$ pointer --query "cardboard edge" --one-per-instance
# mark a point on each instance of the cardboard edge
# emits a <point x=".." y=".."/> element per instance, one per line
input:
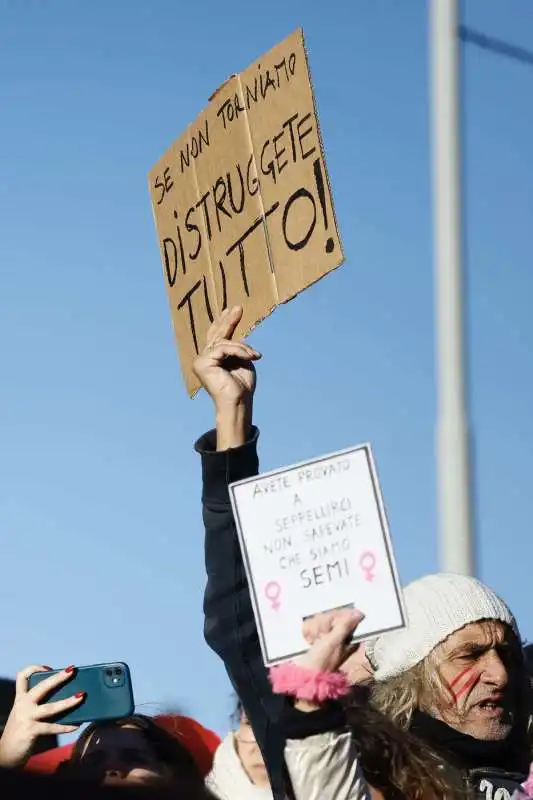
<point x="222" y="86"/>
<point x="316" y="280"/>
<point x="251" y="328"/>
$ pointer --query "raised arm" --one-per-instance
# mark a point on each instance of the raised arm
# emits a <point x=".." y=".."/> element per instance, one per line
<point x="321" y="753"/>
<point x="229" y="453"/>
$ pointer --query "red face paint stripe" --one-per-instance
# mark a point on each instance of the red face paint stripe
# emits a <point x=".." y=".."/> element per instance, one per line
<point x="458" y="677"/>
<point x="468" y="685"/>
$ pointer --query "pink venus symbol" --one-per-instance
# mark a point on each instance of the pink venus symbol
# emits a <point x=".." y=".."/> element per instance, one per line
<point x="272" y="593"/>
<point x="367" y="562"/>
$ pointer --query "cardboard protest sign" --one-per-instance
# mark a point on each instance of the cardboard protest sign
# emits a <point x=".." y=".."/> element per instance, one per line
<point x="314" y="537"/>
<point x="242" y="202"/>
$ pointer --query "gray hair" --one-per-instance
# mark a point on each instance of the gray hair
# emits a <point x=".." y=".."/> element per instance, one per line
<point x="399" y="697"/>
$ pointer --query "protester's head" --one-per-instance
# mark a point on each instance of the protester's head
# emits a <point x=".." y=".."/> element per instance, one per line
<point x="135" y="750"/>
<point x="248" y="749"/>
<point x="459" y="659"/>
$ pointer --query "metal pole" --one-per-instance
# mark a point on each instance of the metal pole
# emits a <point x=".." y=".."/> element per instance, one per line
<point x="457" y="546"/>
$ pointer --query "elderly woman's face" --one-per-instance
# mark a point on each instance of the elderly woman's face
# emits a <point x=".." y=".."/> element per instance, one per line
<point x="250" y="754"/>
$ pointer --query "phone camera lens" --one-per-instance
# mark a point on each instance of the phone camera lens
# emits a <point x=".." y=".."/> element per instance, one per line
<point x="118" y="671"/>
<point x="109" y="672"/>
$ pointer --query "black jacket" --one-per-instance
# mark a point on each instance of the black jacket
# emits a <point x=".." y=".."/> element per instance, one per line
<point x="230" y="629"/>
<point x="493" y="784"/>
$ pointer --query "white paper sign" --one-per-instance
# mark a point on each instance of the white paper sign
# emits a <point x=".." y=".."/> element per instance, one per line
<point x="314" y="537"/>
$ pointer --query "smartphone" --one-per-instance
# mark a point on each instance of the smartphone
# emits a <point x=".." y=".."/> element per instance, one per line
<point x="108" y="690"/>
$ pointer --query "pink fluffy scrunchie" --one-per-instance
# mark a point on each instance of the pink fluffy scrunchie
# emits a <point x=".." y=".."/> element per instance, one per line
<point x="308" y="684"/>
<point x="527" y="786"/>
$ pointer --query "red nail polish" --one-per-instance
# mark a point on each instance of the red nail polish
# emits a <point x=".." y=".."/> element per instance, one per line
<point x="70" y="669"/>
<point x="48" y="669"/>
<point x="79" y="695"/>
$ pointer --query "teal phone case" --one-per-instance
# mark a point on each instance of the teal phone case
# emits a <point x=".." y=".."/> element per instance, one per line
<point x="108" y="690"/>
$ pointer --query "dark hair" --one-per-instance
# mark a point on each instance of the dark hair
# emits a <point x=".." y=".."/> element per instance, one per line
<point x="238" y="711"/>
<point x="527" y="652"/>
<point x="168" y="749"/>
<point x="396" y="762"/>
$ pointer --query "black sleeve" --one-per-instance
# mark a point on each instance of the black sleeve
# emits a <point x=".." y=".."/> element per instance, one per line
<point x="301" y="724"/>
<point x="230" y="628"/>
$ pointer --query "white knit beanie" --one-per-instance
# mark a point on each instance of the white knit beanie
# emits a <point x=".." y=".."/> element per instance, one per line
<point x="436" y="607"/>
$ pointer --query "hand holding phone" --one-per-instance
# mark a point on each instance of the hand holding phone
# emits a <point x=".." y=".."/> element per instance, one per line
<point x="105" y="690"/>
<point x="59" y="701"/>
<point x="28" y="719"/>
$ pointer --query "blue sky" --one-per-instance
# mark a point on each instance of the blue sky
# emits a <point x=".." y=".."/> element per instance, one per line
<point x="100" y="522"/>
